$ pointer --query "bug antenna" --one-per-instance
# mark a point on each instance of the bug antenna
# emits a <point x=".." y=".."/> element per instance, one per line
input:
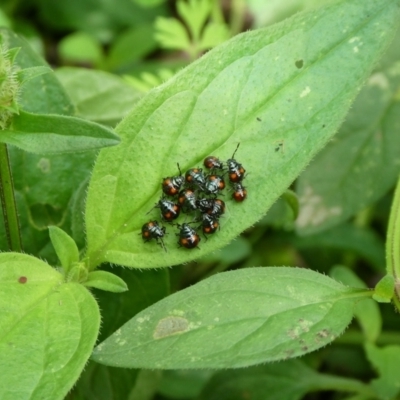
<point x="152" y="209"/>
<point x="233" y="155"/>
<point x="179" y="169"/>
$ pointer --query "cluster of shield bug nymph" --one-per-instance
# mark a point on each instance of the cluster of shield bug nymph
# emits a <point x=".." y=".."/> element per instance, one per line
<point x="196" y="194"/>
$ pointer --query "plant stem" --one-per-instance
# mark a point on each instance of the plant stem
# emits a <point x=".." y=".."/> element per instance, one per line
<point x="7" y="199"/>
<point x="331" y="382"/>
<point x="353" y="337"/>
<point x="237" y="16"/>
<point x="393" y="245"/>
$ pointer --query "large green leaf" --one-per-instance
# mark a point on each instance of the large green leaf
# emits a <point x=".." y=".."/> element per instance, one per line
<point x="291" y="84"/>
<point x="47" y="329"/>
<point x="362" y="163"/>
<point x="234" y="319"/>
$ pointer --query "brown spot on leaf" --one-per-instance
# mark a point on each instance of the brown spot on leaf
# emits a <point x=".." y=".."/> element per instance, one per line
<point x="22" y="279"/>
<point x="170" y="326"/>
<point x="324" y="333"/>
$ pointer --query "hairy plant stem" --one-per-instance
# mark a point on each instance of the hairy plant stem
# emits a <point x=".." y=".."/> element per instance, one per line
<point x="393" y="245"/>
<point x="7" y="198"/>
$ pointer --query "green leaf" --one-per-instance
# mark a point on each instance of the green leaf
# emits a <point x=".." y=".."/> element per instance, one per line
<point x="47" y="329"/>
<point x="104" y="280"/>
<point x="56" y="134"/>
<point x="386" y="361"/>
<point x="145" y="386"/>
<point x="66" y="248"/>
<point x="45" y="185"/>
<point x="43" y="94"/>
<point x="171" y="34"/>
<point x="130" y="47"/>
<point x="97" y="95"/>
<point x="213" y="35"/>
<point x="145" y="288"/>
<point x="384" y="289"/>
<point x="183" y="384"/>
<point x="366" y="311"/>
<point x="349" y="174"/>
<point x="248" y="90"/>
<point x="234" y="319"/>
<point x="362" y="241"/>
<point x="99" y="382"/>
<point x="76" y="211"/>
<point x="194" y="13"/>
<point x="103" y="19"/>
<point x="80" y="47"/>
<point x="27" y="74"/>
<point x="393" y="244"/>
<point x="289" y="380"/>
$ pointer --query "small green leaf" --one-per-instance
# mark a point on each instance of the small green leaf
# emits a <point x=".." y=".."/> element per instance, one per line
<point x="194" y="13"/>
<point x="47" y="329"/>
<point x="386" y="360"/>
<point x="107" y="281"/>
<point x="65" y="247"/>
<point x="43" y="134"/>
<point x="130" y="47"/>
<point x="80" y="47"/>
<point x="213" y="35"/>
<point x="366" y="311"/>
<point x="249" y="90"/>
<point x="384" y="289"/>
<point x="78" y="273"/>
<point x="171" y="34"/>
<point x="12" y="53"/>
<point x="234" y="319"/>
<point x="27" y="74"/>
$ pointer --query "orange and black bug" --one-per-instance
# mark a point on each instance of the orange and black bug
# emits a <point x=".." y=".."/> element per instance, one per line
<point x="215" y="207"/>
<point x="169" y="209"/>
<point x="218" y="208"/>
<point x="212" y="162"/>
<point x="235" y="170"/>
<point x="151" y="230"/>
<point x="188" y="237"/>
<point x="239" y="192"/>
<point x="195" y="177"/>
<point x="172" y="184"/>
<point x="214" y="183"/>
<point x="209" y="224"/>
<point x="187" y="200"/>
